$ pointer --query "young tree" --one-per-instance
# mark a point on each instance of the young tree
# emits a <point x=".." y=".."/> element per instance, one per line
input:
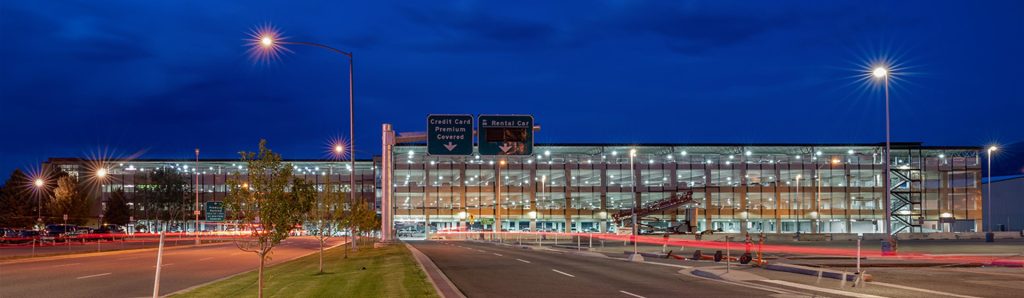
<point x="362" y="217"/>
<point x="69" y="200"/>
<point x="326" y="215"/>
<point x="268" y="204"/>
<point x="117" y="208"/>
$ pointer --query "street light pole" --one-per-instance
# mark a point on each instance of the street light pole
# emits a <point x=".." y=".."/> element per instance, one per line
<point x="636" y="257"/>
<point x="40" y="192"/>
<point x="267" y="42"/>
<point x="883" y="73"/>
<point x="195" y="209"/>
<point x="989" y="187"/>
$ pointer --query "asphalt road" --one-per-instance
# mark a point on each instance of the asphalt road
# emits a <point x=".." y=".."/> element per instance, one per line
<point x="26" y="250"/>
<point x="487" y="270"/>
<point x="130" y="273"/>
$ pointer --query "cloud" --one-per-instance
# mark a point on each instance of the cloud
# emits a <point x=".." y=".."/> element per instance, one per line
<point x="693" y="30"/>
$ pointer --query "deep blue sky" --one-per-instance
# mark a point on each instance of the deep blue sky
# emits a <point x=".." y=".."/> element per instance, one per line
<point x="78" y="78"/>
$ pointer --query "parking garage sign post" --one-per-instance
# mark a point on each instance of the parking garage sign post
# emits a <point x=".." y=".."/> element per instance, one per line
<point x="450" y="134"/>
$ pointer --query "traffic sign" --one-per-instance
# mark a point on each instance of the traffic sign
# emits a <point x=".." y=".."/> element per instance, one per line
<point x="505" y="134"/>
<point x="214" y="211"/>
<point x="450" y="134"/>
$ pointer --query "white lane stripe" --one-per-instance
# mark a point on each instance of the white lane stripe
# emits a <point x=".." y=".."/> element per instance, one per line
<point x="498" y="254"/>
<point x="62" y="265"/>
<point x="631" y="294"/>
<point x="204" y="259"/>
<point x="563" y="273"/>
<point x="94" y="275"/>
<point x="919" y="289"/>
<point x="824" y="290"/>
<point x="164" y="265"/>
<point x="524" y="261"/>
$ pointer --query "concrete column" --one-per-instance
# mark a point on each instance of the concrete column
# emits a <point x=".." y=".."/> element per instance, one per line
<point x="426" y="225"/>
<point x="707" y="197"/>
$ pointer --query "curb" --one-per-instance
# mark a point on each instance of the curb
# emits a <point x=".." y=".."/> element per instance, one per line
<point x="437" y="278"/>
<point x="850" y="276"/>
<point x="705" y="274"/>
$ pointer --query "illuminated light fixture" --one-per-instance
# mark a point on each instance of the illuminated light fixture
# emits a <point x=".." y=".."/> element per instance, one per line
<point x="748" y="153"/>
<point x="732" y="156"/>
<point x="101" y="173"/>
<point x="39" y="182"/>
<point x="817" y="153"/>
<point x="880" y="72"/>
<point x="942" y="156"/>
<point x="547" y="152"/>
<point x="632" y="152"/>
<point x="835" y="161"/>
<point x="849" y="151"/>
<point x="946" y="215"/>
<point x="615" y="153"/>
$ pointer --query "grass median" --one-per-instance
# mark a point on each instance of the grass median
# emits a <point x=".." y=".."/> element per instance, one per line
<point x="371" y="272"/>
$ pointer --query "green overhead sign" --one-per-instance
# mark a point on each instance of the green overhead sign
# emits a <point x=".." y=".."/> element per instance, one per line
<point x="505" y="134"/>
<point x="214" y="211"/>
<point x="450" y="134"/>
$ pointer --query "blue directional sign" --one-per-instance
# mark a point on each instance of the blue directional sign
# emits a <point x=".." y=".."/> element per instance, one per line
<point x="450" y="134"/>
<point x="505" y="134"/>
<point x="214" y="211"/>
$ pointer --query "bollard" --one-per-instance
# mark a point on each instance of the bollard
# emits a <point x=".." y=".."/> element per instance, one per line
<point x="718" y="256"/>
<point x="819" y="277"/>
<point x="697" y="255"/>
<point x="842" y="283"/>
<point x="590" y="238"/>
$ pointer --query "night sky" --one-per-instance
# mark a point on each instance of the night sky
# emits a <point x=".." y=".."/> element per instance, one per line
<point x="155" y="79"/>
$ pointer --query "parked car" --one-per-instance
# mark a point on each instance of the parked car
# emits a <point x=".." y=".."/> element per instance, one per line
<point x="109" y="232"/>
<point x="59" y="232"/>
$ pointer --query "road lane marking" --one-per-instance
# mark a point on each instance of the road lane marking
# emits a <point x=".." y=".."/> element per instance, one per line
<point x="62" y="265"/>
<point x="563" y="273"/>
<point x="631" y="294"/>
<point x="204" y="259"/>
<point x="919" y="289"/>
<point x="818" y="289"/>
<point x="94" y="275"/>
<point x="524" y="261"/>
<point x="164" y="265"/>
<point x="498" y="254"/>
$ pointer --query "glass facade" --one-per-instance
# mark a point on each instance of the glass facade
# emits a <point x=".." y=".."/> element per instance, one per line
<point x="736" y="188"/>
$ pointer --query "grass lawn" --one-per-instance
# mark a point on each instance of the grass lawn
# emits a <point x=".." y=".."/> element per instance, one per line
<point x="390" y="272"/>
